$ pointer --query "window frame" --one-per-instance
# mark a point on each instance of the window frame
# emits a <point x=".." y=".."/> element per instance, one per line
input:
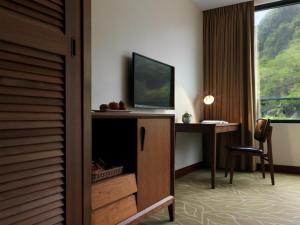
<point x="273" y="5"/>
<point x="276" y="4"/>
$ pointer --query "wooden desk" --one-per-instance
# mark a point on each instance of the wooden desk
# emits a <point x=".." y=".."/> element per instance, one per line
<point x="211" y="130"/>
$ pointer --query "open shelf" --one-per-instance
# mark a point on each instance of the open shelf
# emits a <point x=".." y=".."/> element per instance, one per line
<point x="114" y="142"/>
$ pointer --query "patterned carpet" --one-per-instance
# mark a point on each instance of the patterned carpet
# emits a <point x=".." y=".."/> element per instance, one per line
<point x="251" y="200"/>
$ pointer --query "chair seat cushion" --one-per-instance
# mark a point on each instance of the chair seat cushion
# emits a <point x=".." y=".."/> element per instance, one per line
<point x="248" y="149"/>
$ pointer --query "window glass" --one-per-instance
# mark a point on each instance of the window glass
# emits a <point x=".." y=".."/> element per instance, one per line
<point x="277" y="34"/>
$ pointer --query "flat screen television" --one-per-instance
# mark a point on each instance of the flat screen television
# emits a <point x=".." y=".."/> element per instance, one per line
<point x="153" y="83"/>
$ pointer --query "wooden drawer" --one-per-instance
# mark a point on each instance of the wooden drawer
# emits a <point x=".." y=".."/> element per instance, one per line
<point x="115" y="212"/>
<point x="111" y="190"/>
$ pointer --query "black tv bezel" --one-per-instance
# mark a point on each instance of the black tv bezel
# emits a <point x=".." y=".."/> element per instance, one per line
<point x="172" y="103"/>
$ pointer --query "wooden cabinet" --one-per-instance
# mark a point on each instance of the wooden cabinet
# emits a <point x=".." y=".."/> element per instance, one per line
<point x="116" y="212"/>
<point x="143" y="144"/>
<point x="153" y="161"/>
<point x="113" y="200"/>
<point x="113" y="189"/>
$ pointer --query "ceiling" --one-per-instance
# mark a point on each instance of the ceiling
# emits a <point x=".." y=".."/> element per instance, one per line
<point x="210" y="4"/>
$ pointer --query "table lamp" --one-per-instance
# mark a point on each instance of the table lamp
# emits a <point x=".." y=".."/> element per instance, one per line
<point x="208" y="100"/>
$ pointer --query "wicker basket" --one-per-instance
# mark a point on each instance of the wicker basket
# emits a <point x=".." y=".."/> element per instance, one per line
<point x="100" y="175"/>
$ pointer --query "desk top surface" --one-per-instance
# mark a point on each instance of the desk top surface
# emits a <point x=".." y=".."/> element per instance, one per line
<point x="205" y="128"/>
<point x="205" y="124"/>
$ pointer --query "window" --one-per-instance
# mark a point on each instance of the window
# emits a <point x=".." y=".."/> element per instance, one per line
<point x="277" y="32"/>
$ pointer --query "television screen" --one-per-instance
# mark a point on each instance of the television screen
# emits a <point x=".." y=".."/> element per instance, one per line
<point x="153" y="83"/>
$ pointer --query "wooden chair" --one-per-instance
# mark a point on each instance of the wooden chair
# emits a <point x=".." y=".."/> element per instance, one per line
<point x="263" y="132"/>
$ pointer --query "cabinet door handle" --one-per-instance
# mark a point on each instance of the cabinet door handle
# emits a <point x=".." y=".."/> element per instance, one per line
<point x="143" y="134"/>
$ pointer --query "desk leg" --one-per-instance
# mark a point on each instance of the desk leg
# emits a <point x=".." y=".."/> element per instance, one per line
<point x="212" y="148"/>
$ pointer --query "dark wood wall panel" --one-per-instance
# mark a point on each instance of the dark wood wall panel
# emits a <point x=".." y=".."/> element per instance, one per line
<point x="30" y="101"/>
<point x="31" y="156"/>
<point x="31" y="165"/>
<point x="12" y="82"/>
<point x="12" y="125"/>
<point x="41" y="119"/>
<point x="20" y="58"/>
<point x="30" y="181"/>
<point x="44" y="11"/>
<point x="29" y="133"/>
<point x="8" y="213"/>
<point x="30" y="76"/>
<point x="29" y="108"/>
<point x="31" y="189"/>
<point x="34" y="212"/>
<point x="30" y="148"/>
<point x="32" y="130"/>
<point x="18" y="49"/>
<point x="30" y="140"/>
<point x="47" y="217"/>
<point x="31" y="68"/>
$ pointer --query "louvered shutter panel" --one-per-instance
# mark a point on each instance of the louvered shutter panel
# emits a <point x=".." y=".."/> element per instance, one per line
<point x="34" y="47"/>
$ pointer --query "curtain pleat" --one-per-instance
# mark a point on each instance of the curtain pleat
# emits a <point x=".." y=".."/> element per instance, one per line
<point x="229" y="72"/>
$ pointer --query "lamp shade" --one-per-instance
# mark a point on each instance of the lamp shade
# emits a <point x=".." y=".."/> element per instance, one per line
<point x="208" y="100"/>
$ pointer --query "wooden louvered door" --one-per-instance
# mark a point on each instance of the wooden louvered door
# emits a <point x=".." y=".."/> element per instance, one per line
<point x="40" y="112"/>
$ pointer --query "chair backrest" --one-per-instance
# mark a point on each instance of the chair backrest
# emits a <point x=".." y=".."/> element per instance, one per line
<point x="261" y="129"/>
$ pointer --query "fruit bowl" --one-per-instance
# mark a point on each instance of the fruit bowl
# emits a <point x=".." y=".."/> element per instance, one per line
<point x="117" y="110"/>
<point x="114" y="107"/>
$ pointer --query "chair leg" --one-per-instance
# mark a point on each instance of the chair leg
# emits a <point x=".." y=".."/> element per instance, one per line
<point x="232" y="165"/>
<point x="262" y="163"/>
<point x="272" y="171"/>
<point x="227" y="162"/>
<point x="270" y="155"/>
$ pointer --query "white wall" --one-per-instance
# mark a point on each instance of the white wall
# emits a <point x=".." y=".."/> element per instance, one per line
<point x="166" y="30"/>
<point x="286" y="142"/>
<point x="285" y="139"/>
<point x="260" y="2"/>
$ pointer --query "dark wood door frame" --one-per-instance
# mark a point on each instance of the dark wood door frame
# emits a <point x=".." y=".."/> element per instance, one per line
<point x="81" y="14"/>
<point x="86" y="88"/>
<point x="73" y="116"/>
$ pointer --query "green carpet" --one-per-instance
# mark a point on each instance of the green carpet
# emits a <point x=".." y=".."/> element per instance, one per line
<point x="251" y="200"/>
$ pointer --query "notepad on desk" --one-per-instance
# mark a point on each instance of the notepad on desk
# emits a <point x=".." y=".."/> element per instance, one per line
<point x="222" y="122"/>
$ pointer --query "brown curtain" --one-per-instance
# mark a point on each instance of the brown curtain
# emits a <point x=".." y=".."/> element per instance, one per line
<point x="229" y="71"/>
